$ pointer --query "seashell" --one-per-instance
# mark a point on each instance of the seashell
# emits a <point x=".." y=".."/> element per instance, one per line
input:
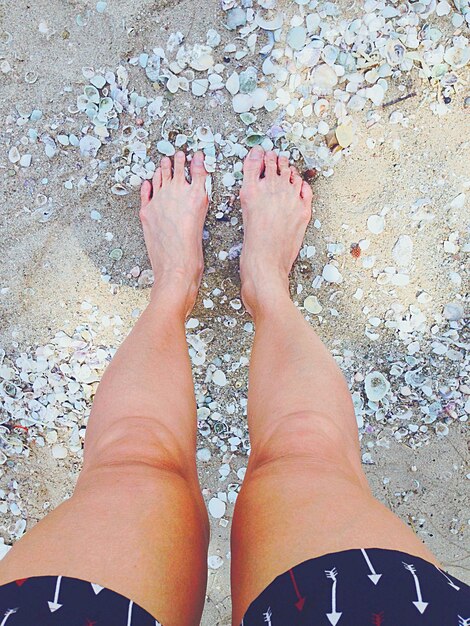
<point x="212" y="38"/>
<point x="329" y="54"/>
<point x="25" y="160"/>
<point x="228" y="179"/>
<point x="242" y="103"/>
<point x="247" y="118"/>
<point x="202" y="62"/>
<point x="376" y="224"/>
<point x="312" y="305"/>
<point x="119" y="190"/>
<point x="92" y="93"/>
<point x="180" y="140"/>
<point x="376" y="94"/>
<point x="106" y="105"/>
<point x="5" y="67"/>
<point x="320" y="107"/>
<point x="323" y="79"/>
<point x="135" y="181"/>
<point x="296" y="37"/>
<point x="116" y="254"/>
<point x="89" y="146"/>
<point x="30" y="77"/>
<point x="248" y="80"/>
<point x="255" y="139"/>
<point x="172" y="84"/>
<point x="344" y="135"/>
<point x="273" y="24"/>
<point x="36" y="115"/>
<point x="376" y="386"/>
<point x="219" y="378"/>
<point x="403" y="250"/>
<point x="98" y="80"/>
<point x="233" y="83"/>
<point x="235" y="17"/>
<point x="5" y="38"/>
<point x="165" y="147"/>
<point x="3" y="458"/>
<point x="331" y="274"/>
<point x="199" y="86"/>
<point x="457" y="57"/>
<point x="216" y="508"/>
<point x="259" y="98"/>
<point x="454" y="311"/>
<point x="14" y="155"/>
<point x="394" y="52"/>
<point x="204" y="133"/>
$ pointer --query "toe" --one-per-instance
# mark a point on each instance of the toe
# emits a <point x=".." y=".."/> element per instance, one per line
<point x="270" y="162"/>
<point x="198" y="171"/>
<point x="180" y="160"/>
<point x="253" y="165"/>
<point x="306" y="192"/>
<point x="166" y="170"/>
<point x="157" y="179"/>
<point x="295" y="178"/>
<point x="283" y="164"/>
<point x="145" y="192"/>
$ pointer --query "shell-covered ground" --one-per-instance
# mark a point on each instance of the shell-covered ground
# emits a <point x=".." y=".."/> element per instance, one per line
<point x="370" y="100"/>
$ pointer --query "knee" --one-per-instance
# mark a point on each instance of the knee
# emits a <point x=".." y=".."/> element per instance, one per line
<point x="135" y="441"/>
<point x="308" y="439"/>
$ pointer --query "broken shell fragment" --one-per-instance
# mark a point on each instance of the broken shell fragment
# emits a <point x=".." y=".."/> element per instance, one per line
<point x="376" y="386"/>
<point x="165" y="147"/>
<point x="312" y="305"/>
<point x="376" y="224"/>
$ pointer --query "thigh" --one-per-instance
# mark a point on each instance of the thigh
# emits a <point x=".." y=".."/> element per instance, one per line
<point x="137" y="530"/>
<point x="293" y="509"/>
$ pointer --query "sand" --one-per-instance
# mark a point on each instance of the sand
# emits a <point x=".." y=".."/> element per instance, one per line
<point x="49" y="269"/>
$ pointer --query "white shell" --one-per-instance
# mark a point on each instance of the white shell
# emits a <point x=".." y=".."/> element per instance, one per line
<point x="403" y="250"/>
<point x="376" y="224"/>
<point x="259" y="97"/>
<point x="297" y="37"/>
<point x="331" y="274"/>
<point x="242" y="103"/>
<point x="199" y="86"/>
<point x="25" y="160"/>
<point x="217" y="508"/>
<point x="219" y="378"/>
<point x="89" y="146"/>
<point x="14" y="155"/>
<point x="233" y="83"/>
<point x="376" y="386"/>
<point x="324" y="78"/>
<point x="312" y="305"/>
<point x="215" y="561"/>
<point x="273" y="24"/>
<point x="166" y="148"/>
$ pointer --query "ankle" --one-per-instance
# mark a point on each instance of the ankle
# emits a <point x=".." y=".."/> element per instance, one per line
<point x="262" y="295"/>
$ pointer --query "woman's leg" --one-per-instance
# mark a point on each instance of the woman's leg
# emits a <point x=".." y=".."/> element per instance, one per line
<point x="136" y="522"/>
<point x="304" y="493"/>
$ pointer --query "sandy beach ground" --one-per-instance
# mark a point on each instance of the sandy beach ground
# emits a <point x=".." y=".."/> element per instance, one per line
<point x="57" y="275"/>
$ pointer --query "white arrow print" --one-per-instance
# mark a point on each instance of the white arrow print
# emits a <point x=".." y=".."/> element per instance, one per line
<point x="373" y="575"/>
<point x="419" y="604"/>
<point x="53" y="606"/>
<point x="452" y="584"/>
<point x="129" y="614"/>
<point x="463" y="621"/>
<point x="334" y="616"/>
<point x="267" y="616"/>
<point x="96" y="588"/>
<point x="7" y="615"/>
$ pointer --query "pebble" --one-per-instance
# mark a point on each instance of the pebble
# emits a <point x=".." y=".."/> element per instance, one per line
<point x="217" y="508"/>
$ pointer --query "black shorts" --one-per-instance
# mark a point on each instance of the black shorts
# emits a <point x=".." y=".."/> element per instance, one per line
<point x="370" y="587"/>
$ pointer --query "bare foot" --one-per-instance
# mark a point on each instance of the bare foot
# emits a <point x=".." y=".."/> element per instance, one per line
<point x="172" y="214"/>
<point x="276" y="211"/>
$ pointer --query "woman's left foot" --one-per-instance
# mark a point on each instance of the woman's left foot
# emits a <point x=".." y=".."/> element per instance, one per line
<point x="172" y="214"/>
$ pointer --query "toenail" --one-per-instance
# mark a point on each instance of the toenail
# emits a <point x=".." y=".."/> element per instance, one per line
<point x="256" y="152"/>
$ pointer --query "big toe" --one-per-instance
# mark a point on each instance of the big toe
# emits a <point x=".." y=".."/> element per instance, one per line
<point x="254" y="164"/>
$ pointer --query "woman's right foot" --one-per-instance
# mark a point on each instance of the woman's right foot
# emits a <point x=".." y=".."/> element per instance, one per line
<point x="276" y="211"/>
